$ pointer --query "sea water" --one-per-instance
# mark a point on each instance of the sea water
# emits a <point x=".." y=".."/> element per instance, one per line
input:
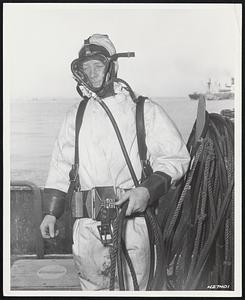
<point x="34" y="125"/>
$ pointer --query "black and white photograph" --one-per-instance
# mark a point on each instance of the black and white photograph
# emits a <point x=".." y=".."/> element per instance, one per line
<point x="122" y="149"/>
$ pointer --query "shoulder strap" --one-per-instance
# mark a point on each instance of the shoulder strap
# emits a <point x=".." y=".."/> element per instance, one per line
<point x="140" y="127"/>
<point x="73" y="174"/>
<point x="140" y="132"/>
<point x="79" y="120"/>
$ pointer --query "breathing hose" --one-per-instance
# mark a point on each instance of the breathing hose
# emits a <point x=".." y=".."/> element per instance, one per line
<point x="155" y="281"/>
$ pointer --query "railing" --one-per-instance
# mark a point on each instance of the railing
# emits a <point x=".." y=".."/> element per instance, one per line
<point x="37" y="263"/>
<point x="37" y="205"/>
<point x="26" y="217"/>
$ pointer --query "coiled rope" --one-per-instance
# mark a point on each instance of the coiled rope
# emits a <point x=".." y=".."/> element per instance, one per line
<point x="198" y="233"/>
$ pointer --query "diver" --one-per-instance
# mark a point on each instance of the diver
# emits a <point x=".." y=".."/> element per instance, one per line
<point x="105" y="182"/>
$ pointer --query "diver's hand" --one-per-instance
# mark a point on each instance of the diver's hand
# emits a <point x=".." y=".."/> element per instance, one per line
<point x="138" y="200"/>
<point x="47" y="227"/>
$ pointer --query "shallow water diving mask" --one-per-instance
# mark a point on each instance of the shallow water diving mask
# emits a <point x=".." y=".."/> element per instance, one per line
<point x="96" y="76"/>
<point x="92" y="71"/>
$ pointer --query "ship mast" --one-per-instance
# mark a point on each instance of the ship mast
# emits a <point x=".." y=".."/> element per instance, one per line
<point x="209" y="84"/>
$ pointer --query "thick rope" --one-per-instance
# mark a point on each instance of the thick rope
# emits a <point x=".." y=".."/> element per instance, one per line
<point x="202" y="215"/>
<point x="207" y="225"/>
<point x="186" y="188"/>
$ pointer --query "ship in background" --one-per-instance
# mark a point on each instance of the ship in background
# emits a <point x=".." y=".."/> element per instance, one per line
<point x="216" y="92"/>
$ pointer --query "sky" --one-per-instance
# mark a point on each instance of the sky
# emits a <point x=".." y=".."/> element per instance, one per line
<point x="178" y="47"/>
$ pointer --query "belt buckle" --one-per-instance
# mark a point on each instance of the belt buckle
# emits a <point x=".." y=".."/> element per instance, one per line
<point x="108" y="211"/>
<point x="103" y="200"/>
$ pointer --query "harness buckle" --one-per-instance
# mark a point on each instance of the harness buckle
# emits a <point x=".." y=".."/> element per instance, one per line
<point x="146" y="169"/>
<point x="74" y="178"/>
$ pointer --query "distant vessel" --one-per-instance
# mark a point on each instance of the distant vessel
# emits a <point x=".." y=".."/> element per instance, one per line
<point x="216" y="92"/>
<point x="195" y="96"/>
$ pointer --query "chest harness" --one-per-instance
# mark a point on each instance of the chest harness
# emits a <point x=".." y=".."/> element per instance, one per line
<point x="109" y="210"/>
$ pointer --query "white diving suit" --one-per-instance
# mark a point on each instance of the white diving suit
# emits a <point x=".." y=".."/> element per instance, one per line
<point x="101" y="164"/>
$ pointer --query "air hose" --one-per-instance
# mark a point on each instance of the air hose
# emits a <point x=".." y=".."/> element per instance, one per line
<point x="156" y="273"/>
<point x="155" y="280"/>
<point x="198" y="232"/>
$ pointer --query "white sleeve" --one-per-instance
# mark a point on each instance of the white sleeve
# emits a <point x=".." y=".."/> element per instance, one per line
<point x="63" y="154"/>
<point x="166" y="148"/>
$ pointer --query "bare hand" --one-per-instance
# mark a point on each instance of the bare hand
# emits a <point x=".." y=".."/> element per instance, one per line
<point x="47" y="227"/>
<point x="138" y="200"/>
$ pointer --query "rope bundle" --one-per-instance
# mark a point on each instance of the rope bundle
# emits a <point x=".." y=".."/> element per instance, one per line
<point x="198" y="232"/>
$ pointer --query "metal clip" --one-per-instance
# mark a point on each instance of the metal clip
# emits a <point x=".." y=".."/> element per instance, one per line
<point x="146" y="168"/>
<point x="74" y="172"/>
